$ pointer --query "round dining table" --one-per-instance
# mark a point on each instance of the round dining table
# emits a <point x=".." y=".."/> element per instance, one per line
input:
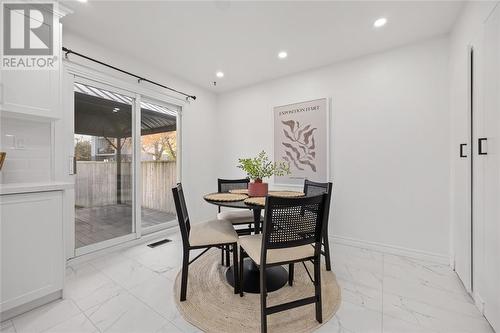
<point x="276" y="277"/>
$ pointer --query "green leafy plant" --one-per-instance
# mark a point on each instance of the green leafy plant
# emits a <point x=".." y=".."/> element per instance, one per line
<point x="260" y="167"/>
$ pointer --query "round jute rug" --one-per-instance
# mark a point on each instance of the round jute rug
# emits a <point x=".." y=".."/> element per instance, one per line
<point x="212" y="306"/>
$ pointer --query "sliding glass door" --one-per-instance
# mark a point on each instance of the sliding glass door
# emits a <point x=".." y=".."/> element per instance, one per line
<point x="104" y="154"/>
<point x="126" y="160"/>
<point x="159" y="157"/>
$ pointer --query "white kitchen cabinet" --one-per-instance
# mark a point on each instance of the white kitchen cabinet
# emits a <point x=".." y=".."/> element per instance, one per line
<point x="34" y="93"/>
<point x="32" y="250"/>
<point x="30" y="92"/>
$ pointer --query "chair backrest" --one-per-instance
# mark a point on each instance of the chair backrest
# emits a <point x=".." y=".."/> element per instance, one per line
<point x="182" y="213"/>
<point x="290" y="222"/>
<point x="314" y="188"/>
<point x="225" y="185"/>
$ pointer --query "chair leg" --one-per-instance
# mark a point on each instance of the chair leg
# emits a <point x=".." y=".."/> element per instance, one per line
<point x="184" y="276"/>
<point x="228" y="262"/>
<point x="326" y="245"/>
<point x="242" y="257"/>
<point x="235" y="268"/>
<point x="317" y="288"/>
<point x="290" y="274"/>
<point x="263" y="296"/>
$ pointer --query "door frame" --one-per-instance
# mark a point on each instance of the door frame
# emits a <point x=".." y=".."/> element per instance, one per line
<point x="80" y="73"/>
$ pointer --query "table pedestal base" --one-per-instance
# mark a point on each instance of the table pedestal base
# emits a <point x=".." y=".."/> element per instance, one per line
<point x="276" y="277"/>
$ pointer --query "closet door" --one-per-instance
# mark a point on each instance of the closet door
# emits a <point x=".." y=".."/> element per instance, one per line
<point x="489" y="150"/>
<point x="463" y="118"/>
<point x="463" y="152"/>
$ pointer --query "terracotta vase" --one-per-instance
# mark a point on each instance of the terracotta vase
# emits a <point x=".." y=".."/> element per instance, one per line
<point x="257" y="188"/>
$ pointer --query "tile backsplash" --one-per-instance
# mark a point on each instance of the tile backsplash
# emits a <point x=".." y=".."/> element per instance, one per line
<point x="28" y="147"/>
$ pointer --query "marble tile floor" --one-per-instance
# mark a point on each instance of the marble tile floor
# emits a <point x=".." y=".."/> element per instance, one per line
<point x="131" y="291"/>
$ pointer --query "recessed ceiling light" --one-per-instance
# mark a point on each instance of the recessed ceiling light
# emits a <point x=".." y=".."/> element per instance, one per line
<point x="219" y="74"/>
<point x="115" y="110"/>
<point x="282" y="55"/>
<point x="380" y="22"/>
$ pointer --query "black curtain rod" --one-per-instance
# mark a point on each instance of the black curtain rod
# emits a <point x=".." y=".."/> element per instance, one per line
<point x="140" y="78"/>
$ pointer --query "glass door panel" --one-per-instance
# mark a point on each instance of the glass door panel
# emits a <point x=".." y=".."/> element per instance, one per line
<point x="158" y="165"/>
<point x="103" y="165"/>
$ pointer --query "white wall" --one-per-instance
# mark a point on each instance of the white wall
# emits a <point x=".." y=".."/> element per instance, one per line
<point x="198" y="122"/>
<point x="390" y="141"/>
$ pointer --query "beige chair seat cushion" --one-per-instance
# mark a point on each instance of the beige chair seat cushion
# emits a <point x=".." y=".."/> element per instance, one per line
<point x="237" y="216"/>
<point x="212" y="232"/>
<point x="252" y="246"/>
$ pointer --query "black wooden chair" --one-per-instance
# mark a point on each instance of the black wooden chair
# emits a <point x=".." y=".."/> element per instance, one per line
<point x="204" y="235"/>
<point x="312" y="189"/>
<point x="236" y="217"/>
<point x="291" y="226"/>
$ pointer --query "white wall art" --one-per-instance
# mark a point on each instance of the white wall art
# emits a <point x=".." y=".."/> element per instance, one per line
<point x="301" y="138"/>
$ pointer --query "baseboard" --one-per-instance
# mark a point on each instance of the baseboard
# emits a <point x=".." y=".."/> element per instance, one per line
<point x="144" y="239"/>
<point x="391" y="249"/>
<point x="18" y="310"/>
<point x="479" y="302"/>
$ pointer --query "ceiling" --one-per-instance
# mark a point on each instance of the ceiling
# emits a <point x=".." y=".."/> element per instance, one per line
<point x="194" y="40"/>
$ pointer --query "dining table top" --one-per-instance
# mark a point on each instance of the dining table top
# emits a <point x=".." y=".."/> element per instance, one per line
<point x="234" y="204"/>
<point x="242" y="204"/>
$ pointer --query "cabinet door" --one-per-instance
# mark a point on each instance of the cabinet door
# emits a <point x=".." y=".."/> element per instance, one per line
<point x="491" y="291"/>
<point x="31" y="234"/>
<point x="31" y="92"/>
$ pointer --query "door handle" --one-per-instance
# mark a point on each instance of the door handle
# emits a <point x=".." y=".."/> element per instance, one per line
<point x="462" y="154"/>
<point x="480" y="150"/>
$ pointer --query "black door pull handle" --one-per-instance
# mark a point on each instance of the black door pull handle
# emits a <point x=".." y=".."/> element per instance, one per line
<point x="481" y="151"/>
<point x="462" y="154"/>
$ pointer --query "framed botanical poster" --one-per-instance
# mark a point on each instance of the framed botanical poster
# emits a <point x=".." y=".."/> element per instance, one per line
<point x="301" y="138"/>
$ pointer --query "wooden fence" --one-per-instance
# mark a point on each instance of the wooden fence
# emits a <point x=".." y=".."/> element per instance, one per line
<point x="96" y="184"/>
<point x="158" y="178"/>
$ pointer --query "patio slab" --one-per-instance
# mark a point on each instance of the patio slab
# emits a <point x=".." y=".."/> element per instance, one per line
<point x="97" y="224"/>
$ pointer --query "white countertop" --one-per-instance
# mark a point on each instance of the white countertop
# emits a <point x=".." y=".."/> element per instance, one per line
<point x="16" y="188"/>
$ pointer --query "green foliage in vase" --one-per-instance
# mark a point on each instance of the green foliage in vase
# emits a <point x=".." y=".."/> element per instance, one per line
<point x="260" y="167"/>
